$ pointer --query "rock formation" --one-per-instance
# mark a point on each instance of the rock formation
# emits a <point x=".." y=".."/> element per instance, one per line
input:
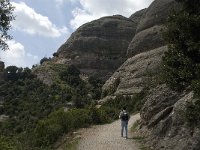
<point x="162" y="115"/>
<point x="148" y="43"/>
<point x="135" y="72"/>
<point x="148" y="35"/>
<point x="99" y="47"/>
<point x="102" y="46"/>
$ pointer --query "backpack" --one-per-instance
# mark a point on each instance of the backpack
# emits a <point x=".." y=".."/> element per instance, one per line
<point x="124" y="116"/>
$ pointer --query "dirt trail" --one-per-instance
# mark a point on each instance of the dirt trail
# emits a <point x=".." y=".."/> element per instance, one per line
<point x="107" y="137"/>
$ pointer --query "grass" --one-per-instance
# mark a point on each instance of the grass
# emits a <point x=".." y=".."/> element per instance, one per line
<point x="135" y="126"/>
<point x="138" y="137"/>
<point x="71" y="145"/>
<point x="68" y="142"/>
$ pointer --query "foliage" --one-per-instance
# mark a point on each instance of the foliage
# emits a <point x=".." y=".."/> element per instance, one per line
<point x="95" y="87"/>
<point x="5" y="143"/>
<point x="26" y="99"/>
<point x="59" y="122"/>
<point x="44" y="59"/>
<point x="133" y="103"/>
<point x="193" y="113"/>
<point x="182" y="33"/>
<point x="29" y="104"/>
<point x="181" y="64"/>
<point x="6" y="17"/>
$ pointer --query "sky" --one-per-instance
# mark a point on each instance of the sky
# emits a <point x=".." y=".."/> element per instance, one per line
<point x="42" y="26"/>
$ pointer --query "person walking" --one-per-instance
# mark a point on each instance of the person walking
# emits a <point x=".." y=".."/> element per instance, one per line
<point x="124" y="116"/>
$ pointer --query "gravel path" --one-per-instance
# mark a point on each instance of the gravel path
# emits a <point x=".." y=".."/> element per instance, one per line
<point x="107" y="137"/>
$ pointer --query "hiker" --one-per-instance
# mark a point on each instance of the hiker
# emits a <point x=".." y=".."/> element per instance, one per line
<point x="124" y="116"/>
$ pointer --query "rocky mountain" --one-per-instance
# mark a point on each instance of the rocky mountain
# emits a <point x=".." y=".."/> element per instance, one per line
<point x="162" y="116"/>
<point x="98" y="47"/>
<point x="150" y="46"/>
<point x="132" y="48"/>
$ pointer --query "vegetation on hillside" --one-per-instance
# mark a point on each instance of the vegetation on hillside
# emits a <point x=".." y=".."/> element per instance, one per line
<point x="181" y="64"/>
<point x="29" y="102"/>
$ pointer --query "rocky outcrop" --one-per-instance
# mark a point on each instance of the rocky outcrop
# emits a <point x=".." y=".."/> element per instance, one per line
<point x="137" y="16"/>
<point x="99" y="47"/>
<point x="157" y="13"/>
<point x="148" y="35"/>
<point x="146" y="40"/>
<point x="134" y="74"/>
<point x="144" y="51"/>
<point x="164" y="115"/>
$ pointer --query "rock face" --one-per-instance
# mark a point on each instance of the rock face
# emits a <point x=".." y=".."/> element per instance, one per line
<point x="163" y="114"/>
<point x="156" y="14"/>
<point x="169" y="130"/>
<point x="148" y="35"/>
<point x="149" y="46"/>
<point x="135" y="72"/>
<point x="99" y="47"/>
<point x="137" y="16"/>
<point x="146" y="40"/>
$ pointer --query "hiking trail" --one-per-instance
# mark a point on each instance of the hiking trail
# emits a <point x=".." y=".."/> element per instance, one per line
<point x="107" y="137"/>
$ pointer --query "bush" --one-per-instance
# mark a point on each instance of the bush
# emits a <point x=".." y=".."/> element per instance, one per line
<point x="133" y="103"/>
<point x="5" y="144"/>
<point x="59" y="122"/>
<point x="193" y="113"/>
<point x="44" y="59"/>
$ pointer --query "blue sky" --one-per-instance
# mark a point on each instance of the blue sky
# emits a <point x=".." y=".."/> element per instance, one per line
<point x="42" y="26"/>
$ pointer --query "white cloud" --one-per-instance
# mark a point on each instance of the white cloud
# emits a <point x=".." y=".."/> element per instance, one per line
<point x="93" y="9"/>
<point x="32" y="56"/>
<point x="17" y="55"/>
<point x="31" y="22"/>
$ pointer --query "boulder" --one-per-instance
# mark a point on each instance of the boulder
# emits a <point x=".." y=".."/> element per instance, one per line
<point x="158" y="99"/>
<point x="146" y="40"/>
<point x="170" y="131"/>
<point x="157" y="13"/>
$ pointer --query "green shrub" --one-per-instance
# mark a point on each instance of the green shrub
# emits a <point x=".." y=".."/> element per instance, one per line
<point x="133" y="103"/>
<point x="193" y="113"/>
<point x="80" y="118"/>
<point x="181" y="63"/>
<point x="59" y="122"/>
<point x="98" y="116"/>
<point x="5" y="144"/>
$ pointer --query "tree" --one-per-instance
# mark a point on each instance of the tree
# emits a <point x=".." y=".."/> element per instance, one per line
<point x="181" y="64"/>
<point x="6" y="17"/>
<point x="44" y="60"/>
